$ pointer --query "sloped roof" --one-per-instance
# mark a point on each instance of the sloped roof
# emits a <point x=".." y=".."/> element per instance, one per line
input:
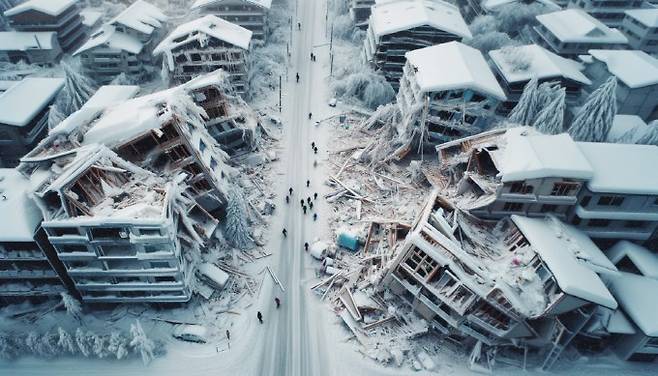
<point x="109" y="37"/>
<point x="632" y="67"/>
<point x="571" y="256"/>
<point x="202" y="3"/>
<point x="22" y="216"/>
<point x="209" y="25"/>
<point x="543" y="64"/>
<point x="627" y="123"/>
<point x="50" y="7"/>
<point x="493" y="5"/>
<point x="648" y="17"/>
<point x="23" y="101"/>
<point x="453" y="65"/>
<point x="141" y="16"/>
<point x="635" y="294"/>
<point x="577" y="26"/>
<point x="27" y="40"/>
<point x="645" y="260"/>
<point x="389" y="18"/>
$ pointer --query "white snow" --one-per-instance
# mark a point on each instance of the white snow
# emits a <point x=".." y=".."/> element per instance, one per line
<point x="140" y="16"/>
<point x="645" y="260"/>
<point x="50" y="7"/>
<point x="109" y="37"/>
<point x="622" y="168"/>
<point x="90" y="17"/>
<point x="623" y="126"/>
<point x="209" y="25"/>
<point x="451" y="66"/>
<point x="543" y="64"/>
<point x="635" y="297"/>
<point x="389" y="18"/>
<point x="202" y="3"/>
<point x="493" y="5"/>
<point x="571" y="256"/>
<point x="215" y="274"/>
<point x="648" y="16"/>
<point x="577" y="26"/>
<point x="26" y="40"/>
<point x="20" y="215"/>
<point x="23" y="101"/>
<point x="632" y="67"/>
<point x="108" y="95"/>
<point x="538" y="156"/>
<point x="619" y="323"/>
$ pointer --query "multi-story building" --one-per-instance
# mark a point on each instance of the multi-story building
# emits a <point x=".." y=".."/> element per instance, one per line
<point x="573" y="32"/>
<point x="122" y="233"/>
<point x="25" y="264"/>
<point x="398" y="27"/>
<point x="515" y="66"/>
<point x="360" y="12"/>
<point x="637" y="79"/>
<point x="206" y="45"/>
<point x="60" y="16"/>
<point x="24" y="111"/>
<point x="641" y="28"/>
<point x="476" y="8"/>
<point x="530" y="282"/>
<point x="124" y="45"/>
<point x="449" y="91"/>
<point x="5" y="5"/>
<point x="589" y="185"/>
<point x="610" y="12"/>
<point x="250" y="14"/>
<point x="41" y="48"/>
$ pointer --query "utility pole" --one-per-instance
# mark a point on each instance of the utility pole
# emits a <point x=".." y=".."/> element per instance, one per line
<point x="331" y="51"/>
<point x="279" y="94"/>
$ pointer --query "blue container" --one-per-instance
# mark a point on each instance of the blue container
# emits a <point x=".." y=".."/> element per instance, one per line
<point x="349" y="241"/>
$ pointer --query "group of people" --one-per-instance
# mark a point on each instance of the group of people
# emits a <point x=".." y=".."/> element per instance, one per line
<point x="259" y="315"/>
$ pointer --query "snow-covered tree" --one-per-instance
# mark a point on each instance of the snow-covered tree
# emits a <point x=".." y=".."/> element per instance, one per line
<point x="483" y="25"/>
<point x="525" y="110"/>
<point x="236" y="226"/>
<point x="9" y="349"/>
<point x="364" y="85"/>
<point x="118" y="345"/>
<point x="141" y="343"/>
<point x="490" y="41"/>
<point x="72" y="305"/>
<point x="651" y="136"/>
<point x="100" y="347"/>
<point x="550" y="119"/>
<point x="122" y="79"/>
<point x="77" y="90"/>
<point x="65" y="342"/>
<point x="513" y="18"/>
<point x="594" y="119"/>
<point x="84" y="341"/>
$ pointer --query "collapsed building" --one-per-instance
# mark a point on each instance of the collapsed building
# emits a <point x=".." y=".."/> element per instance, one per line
<point x="447" y="91"/>
<point x="517" y="284"/>
<point x="206" y="45"/>
<point x="250" y="14"/>
<point x="398" y="27"/>
<point x="360" y="12"/>
<point x="30" y="47"/>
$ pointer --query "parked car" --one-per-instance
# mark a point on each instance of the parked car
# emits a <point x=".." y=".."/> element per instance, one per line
<point x="333" y="102"/>
<point x="191" y="333"/>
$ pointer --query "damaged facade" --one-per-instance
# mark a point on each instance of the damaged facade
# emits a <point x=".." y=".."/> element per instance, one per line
<point x="206" y="45"/>
<point x="250" y="14"/>
<point x="448" y="91"/>
<point x="30" y="47"/>
<point x="360" y="12"/>
<point x="396" y="28"/>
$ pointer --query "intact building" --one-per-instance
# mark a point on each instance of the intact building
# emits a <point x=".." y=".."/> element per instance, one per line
<point x="41" y="48"/>
<point x="610" y="12"/>
<point x="60" y="16"/>
<point x="641" y="28"/>
<point x="250" y="14"/>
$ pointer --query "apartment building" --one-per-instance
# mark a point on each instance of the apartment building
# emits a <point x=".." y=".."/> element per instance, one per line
<point x="515" y="66"/>
<point x="573" y="32"/>
<point x="250" y="14"/>
<point x="511" y="284"/>
<point x="641" y="28"/>
<point x="124" y="45"/>
<point x="637" y="79"/>
<point x="448" y="90"/>
<point x="41" y="48"/>
<point x="24" y="111"/>
<point x="25" y="266"/>
<point x="396" y="28"/>
<point x="206" y="45"/>
<point x="60" y="16"/>
<point x="589" y="185"/>
<point x="610" y="12"/>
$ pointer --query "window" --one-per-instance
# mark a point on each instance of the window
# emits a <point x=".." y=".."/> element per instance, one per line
<point x="576" y="221"/>
<point x="635" y="224"/>
<point x="150" y="231"/>
<point x="202" y="146"/>
<point x="513" y="206"/>
<point x="598" y="223"/>
<point x="564" y="189"/>
<point x="546" y="208"/>
<point x="585" y="201"/>
<point x="421" y="263"/>
<point x="165" y="279"/>
<point x="520" y="187"/>
<point x="159" y="264"/>
<point x="610" y="201"/>
<point x="655" y="201"/>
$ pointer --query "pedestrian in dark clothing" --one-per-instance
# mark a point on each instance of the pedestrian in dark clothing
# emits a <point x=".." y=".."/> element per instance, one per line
<point x="290" y="191"/>
<point x="315" y="216"/>
<point x="287" y="200"/>
<point x="308" y="183"/>
<point x="306" y="246"/>
<point x="308" y="200"/>
<point x="228" y="335"/>
<point x="313" y="145"/>
<point x="304" y="209"/>
<point x="310" y="115"/>
<point x="260" y="317"/>
<point x="278" y="302"/>
<point x="285" y="232"/>
<point x="302" y="202"/>
<point x="315" y="195"/>
<point x="315" y="150"/>
<point x="310" y="205"/>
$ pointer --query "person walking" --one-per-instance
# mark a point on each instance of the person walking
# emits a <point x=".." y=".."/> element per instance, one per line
<point x="260" y="317"/>
<point x="297" y="77"/>
<point x="310" y="115"/>
<point x="306" y="246"/>
<point x="308" y="183"/>
<point x="315" y="195"/>
<point x="315" y="216"/>
<point x="304" y="209"/>
<point x="310" y="205"/>
<point x="285" y="232"/>
<point x="277" y="302"/>
<point x="287" y="199"/>
<point x="290" y="191"/>
<point x="228" y="335"/>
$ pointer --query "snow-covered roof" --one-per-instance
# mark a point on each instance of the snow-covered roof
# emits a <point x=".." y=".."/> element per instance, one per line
<point x="571" y="256"/>
<point x="632" y="67"/>
<point x="140" y="16"/>
<point x="532" y="156"/>
<point x="451" y="66"/>
<point x="648" y="16"/>
<point x="493" y="5"/>
<point x="214" y="273"/>
<point x="109" y="37"/>
<point x="624" y="126"/>
<point x="389" y="18"/>
<point x="635" y="296"/>
<point x="202" y="3"/>
<point x="21" y="214"/>
<point x="577" y="26"/>
<point x="50" y="7"/>
<point x="543" y="64"/>
<point x="90" y="17"/>
<point x="643" y="259"/>
<point x="27" y="40"/>
<point x="621" y="168"/>
<point x="23" y="101"/>
<point x="209" y="25"/>
<point x="108" y="95"/>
